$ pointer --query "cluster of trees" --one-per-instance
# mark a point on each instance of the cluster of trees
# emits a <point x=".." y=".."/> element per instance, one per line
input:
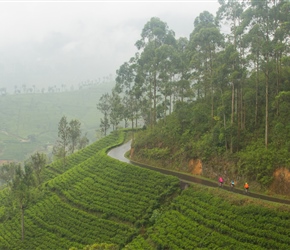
<point x="232" y="87"/>
<point x="223" y="93"/>
<point x="21" y="180"/>
<point x="25" y="88"/>
<point x="69" y="138"/>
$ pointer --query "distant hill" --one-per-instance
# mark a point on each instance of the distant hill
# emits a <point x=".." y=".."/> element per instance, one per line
<point x="29" y="122"/>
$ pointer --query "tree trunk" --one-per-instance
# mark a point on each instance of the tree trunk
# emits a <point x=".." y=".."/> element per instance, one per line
<point x="267" y="109"/>
<point x="154" y="99"/>
<point x="232" y="116"/>
<point x="257" y="91"/>
<point x="22" y="221"/>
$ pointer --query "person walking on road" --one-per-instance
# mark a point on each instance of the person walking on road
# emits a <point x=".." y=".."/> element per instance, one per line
<point x="232" y="184"/>
<point x="246" y="187"/>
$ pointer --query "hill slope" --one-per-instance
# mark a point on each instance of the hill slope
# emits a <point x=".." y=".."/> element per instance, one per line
<point x="96" y="200"/>
<point x="101" y="200"/>
<point x="29" y="122"/>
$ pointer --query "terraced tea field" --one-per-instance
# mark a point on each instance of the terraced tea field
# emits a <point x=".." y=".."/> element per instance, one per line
<point x="97" y="199"/>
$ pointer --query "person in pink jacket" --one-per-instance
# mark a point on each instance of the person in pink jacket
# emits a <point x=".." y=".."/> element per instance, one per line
<point x="221" y="181"/>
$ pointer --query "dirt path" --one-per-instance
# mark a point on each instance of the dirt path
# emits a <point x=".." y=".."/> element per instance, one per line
<point x="119" y="152"/>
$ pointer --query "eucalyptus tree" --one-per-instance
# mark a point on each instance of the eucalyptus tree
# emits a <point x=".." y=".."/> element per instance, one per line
<point x="116" y="113"/>
<point x="181" y="79"/>
<point x="61" y="148"/>
<point x="253" y="40"/>
<point x="21" y="187"/>
<point x="262" y="20"/>
<point x="7" y="172"/>
<point x="230" y="12"/>
<point x="74" y="134"/>
<point x="167" y="56"/>
<point x="105" y="108"/>
<point x="280" y="13"/>
<point x="38" y="161"/>
<point x="124" y="81"/>
<point x="205" y="41"/>
<point x="83" y="141"/>
<point x="154" y="34"/>
<point x="126" y="84"/>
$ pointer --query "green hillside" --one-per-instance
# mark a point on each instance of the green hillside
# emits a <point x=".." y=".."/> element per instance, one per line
<point x="96" y="199"/>
<point x="29" y="121"/>
<point x="204" y="218"/>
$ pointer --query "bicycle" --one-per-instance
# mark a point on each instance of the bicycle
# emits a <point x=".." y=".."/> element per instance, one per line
<point x="246" y="187"/>
<point x="221" y="182"/>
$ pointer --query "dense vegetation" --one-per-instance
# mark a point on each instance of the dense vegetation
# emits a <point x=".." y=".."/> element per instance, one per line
<point x="204" y="218"/>
<point x="221" y="96"/>
<point x="96" y="199"/>
<point x="96" y="202"/>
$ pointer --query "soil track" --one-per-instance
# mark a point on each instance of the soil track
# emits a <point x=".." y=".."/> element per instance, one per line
<point x="119" y="152"/>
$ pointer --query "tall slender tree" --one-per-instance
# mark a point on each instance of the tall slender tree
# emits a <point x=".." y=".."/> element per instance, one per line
<point x="38" y="162"/>
<point x="74" y="134"/>
<point x="154" y="34"/>
<point x="21" y="186"/>
<point x="105" y="107"/>
<point x="61" y="149"/>
<point x="205" y="41"/>
<point x="231" y="12"/>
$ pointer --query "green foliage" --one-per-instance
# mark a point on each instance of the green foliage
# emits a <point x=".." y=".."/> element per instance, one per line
<point x="37" y="162"/>
<point x="139" y="243"/>
<point x="202" y="219"/>
<point x="155" y="153"/>
<point x="69" y="138"/>
<point x="215" y="94"/>
<point x="92" y="199"/>
<point x="258" y="163"/>
<point x="155" y="216"/>
<point x="104" y="106"/>
<point x="102" y="246"/>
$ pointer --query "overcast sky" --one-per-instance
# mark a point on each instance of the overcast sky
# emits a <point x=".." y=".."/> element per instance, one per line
<point x="47" y="43"/>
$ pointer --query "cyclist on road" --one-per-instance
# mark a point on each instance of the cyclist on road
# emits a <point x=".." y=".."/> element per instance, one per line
<point x="221" y="181"/>
<point x="246" y="186"/>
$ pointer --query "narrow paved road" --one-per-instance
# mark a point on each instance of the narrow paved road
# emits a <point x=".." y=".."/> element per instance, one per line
<point x="119" y="152"/>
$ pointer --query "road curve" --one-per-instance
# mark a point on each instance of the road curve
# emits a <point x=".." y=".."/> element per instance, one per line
<point x="119" y="152"/>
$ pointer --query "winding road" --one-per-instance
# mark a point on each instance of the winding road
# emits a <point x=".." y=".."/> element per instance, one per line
<point x="119" y="152"/>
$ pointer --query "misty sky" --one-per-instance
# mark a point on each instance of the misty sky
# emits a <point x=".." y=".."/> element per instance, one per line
<point x="47" y="43"/>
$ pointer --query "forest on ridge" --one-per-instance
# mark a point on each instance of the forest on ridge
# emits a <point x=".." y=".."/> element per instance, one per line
<point x="222" y="98"/>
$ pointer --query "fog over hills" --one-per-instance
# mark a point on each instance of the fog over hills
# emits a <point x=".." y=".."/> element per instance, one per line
<point x="47" y="43"/>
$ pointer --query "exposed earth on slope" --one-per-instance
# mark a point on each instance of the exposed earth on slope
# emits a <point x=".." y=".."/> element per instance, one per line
<point x="281" y="183"/>
<point x="185" y="179"/>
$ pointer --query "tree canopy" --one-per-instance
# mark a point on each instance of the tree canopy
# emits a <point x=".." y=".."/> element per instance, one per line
<point x="227" y="91"/>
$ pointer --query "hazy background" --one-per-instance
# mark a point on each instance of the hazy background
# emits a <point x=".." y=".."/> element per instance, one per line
<point x="47" y="43"/>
